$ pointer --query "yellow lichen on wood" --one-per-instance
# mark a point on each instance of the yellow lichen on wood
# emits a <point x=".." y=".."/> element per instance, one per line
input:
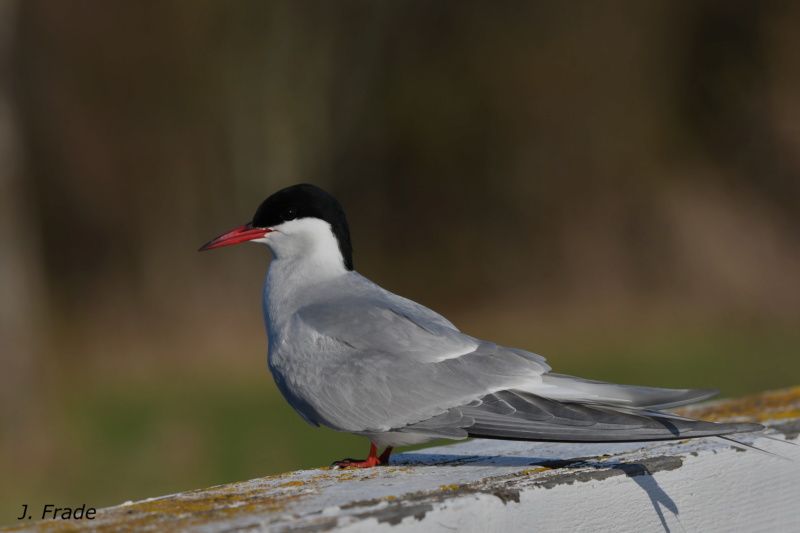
<point x="776" y="405"/>
<point x="535" y="470"/>
<point x="292" y="484"/>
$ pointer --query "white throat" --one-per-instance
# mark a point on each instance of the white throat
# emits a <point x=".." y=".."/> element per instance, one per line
<point x="309" y="246"/>
<point x="305" y="256"/>
<point x="305" y="252"/>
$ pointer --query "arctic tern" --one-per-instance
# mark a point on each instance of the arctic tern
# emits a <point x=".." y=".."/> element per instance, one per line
<point x="354" y="357"/>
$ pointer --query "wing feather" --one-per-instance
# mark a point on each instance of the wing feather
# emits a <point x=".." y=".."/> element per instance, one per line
<point x="568" y="422"/>
<point x="377" y="366"/>
<point x="376" y="363"/>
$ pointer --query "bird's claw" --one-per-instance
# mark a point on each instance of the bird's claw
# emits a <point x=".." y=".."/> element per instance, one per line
<point x="344" y="462"/>
<point x="356" y="463"/>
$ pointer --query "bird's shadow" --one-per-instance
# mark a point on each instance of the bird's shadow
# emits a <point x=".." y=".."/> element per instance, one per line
<point x="639" y="473"/>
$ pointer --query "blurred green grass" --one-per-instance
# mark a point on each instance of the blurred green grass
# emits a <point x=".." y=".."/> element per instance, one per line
<point x="181" y="430"/>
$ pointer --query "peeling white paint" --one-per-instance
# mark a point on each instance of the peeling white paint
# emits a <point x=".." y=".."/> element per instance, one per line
<point x="478" y="486"/>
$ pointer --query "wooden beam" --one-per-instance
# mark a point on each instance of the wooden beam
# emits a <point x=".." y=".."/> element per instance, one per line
<point x="699" y="485"/>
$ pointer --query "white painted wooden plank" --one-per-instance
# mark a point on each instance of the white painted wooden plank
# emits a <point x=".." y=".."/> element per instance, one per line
<point x="698" y="485"/>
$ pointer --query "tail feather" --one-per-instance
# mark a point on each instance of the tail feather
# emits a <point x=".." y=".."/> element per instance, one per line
<point x="577" y="422"/>
<point x="517" y="415"/>
<point x="570" y="388"/>
<point x="756" y="448"/>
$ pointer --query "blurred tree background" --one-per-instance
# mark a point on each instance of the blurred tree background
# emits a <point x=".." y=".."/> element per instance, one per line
<point x="614" y="185"/>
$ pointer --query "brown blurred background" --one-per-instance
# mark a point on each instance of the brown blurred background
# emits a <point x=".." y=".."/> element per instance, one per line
<point x="614" y="185"/>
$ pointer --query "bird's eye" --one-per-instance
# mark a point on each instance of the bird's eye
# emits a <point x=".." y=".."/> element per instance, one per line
<point x="290" y="213"/>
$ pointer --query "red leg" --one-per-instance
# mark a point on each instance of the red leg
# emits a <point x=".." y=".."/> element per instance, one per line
<point x="384" y="458"/>
<point x="369" y="462"/>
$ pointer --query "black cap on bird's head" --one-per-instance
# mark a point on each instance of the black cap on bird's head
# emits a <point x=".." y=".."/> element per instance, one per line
<point x="293" y="203"/>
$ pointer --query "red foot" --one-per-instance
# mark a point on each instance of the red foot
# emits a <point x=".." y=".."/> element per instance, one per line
<point x="369" y="462"/>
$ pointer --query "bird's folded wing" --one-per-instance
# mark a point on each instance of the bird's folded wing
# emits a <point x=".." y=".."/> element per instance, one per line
<point x="571" y="388"/>
<point x="378" y="366"/>
<point x="521" y="416"/>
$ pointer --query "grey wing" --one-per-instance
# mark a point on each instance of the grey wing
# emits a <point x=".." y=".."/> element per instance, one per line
<point x="373" y="365"/>
<point x="516" y="415"/>
<point x="379" y="364"/>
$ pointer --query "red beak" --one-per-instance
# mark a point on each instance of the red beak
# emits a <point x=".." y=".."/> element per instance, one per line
<point x="245" y="233"/>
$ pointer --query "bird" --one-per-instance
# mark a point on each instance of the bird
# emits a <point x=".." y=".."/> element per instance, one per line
<point x="352" y="356"/>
